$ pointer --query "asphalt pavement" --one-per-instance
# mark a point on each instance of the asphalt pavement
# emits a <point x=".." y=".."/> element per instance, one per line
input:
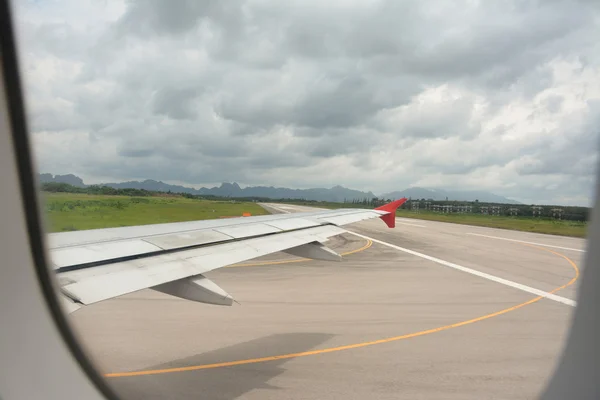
<point x="427" y="310"/>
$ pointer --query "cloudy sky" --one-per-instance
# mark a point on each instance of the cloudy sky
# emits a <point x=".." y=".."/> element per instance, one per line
<point x="373" y="95"/>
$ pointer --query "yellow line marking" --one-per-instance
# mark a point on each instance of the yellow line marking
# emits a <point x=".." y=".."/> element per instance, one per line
<point x="275" y="262"/>
<point x="366" y="246"/>
<point x="355" y="345"/>
<point x="563" y="256"/>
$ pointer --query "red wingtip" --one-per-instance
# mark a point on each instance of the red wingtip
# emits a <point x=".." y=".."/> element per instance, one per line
<point x="390" y="219"/>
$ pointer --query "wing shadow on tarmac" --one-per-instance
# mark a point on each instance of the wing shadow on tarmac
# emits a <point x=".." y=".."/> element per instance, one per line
<point x="224" y="383"/>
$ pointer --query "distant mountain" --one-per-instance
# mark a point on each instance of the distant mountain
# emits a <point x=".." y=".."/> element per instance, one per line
<point x="70" y="179"/>
<point x="441" y="194"/>
<point x="335" y="194"/>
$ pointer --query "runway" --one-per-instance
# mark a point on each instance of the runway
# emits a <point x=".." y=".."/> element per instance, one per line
<point x="427" y="310"/>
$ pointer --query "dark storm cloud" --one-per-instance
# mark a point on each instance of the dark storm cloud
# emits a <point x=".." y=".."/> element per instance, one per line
<point x="308" y="93"/>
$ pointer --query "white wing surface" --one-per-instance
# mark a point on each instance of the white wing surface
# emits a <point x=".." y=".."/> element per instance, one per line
<point x="100" y="264"/>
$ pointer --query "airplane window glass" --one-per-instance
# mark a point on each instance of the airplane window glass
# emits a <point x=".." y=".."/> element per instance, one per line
<point x="263" y="199"/>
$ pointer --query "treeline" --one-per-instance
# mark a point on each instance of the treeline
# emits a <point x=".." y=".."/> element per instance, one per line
<point x="56" y="187"/>
<point x="572" y="213"/>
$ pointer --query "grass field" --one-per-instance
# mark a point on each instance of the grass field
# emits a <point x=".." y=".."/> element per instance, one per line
<point x="552" y="227"/>
<point x="527" y="224"/>
<point x="71" y="212"/>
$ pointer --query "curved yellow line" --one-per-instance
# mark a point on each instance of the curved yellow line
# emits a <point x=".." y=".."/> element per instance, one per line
<point x="355" y="345"/>
<point x="366" y="246"/>
<point x="572" y="281"/>
<point x="275" y="262"/>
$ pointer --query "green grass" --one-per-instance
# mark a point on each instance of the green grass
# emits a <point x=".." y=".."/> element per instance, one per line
<point x="526" y="224"/>
<point x="71" y="211"/>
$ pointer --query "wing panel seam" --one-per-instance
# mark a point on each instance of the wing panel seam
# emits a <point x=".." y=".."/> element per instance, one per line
<point x="76" y="267"/>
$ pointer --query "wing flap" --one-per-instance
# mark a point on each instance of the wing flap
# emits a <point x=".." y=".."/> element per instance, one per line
<point x="314" y="251"/>
<point x="196" y="288"/>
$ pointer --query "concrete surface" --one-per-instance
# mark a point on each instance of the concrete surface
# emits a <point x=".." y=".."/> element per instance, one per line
<point x="375" y="294"/>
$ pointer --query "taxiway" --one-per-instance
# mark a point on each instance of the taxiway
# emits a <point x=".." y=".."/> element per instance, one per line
<point x="395" y="320"/>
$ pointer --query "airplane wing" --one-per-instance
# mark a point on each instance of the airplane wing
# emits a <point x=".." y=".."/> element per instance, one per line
<point x="100" y="264"/>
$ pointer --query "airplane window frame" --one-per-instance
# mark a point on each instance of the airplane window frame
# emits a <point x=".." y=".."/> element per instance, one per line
<point x="17" y="120"/>
<point x="30" y="204"/>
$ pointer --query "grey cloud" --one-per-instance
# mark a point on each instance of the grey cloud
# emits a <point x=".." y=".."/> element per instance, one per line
<point x="215" y="165"/>
<point x="53" y="117"/>
<point x="193" y="144"/>
<point x="136" y="152"/>
<point x="573" y="158"/>
<point x="574" y="153"/>
<point x="306" y="94"/>
<point x="460" y="158"/>
<point x="175" y="103"/>
<point x="159" y="17"/>
<point x="332" y="101"/>
<point x="221" y="24"/>
<point x="488" y="45"/>
<point x="335" y="142"/>
<point x="345" y="101"/>
<point x="59" y="39"/>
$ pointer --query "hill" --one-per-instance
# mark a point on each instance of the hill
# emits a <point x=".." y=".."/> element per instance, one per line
<point x="334" y="194"/>
<point x="69" y="178"/>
